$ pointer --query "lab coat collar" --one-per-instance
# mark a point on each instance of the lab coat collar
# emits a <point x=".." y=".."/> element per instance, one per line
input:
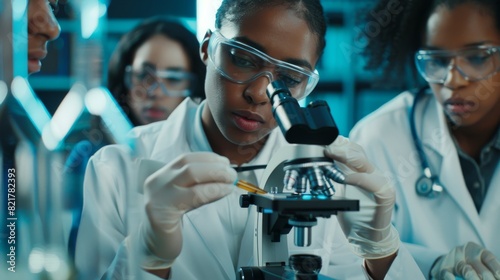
<point x="434" y="132"/>
<point x="197" y="138"/>
<point x="176" y="128"/>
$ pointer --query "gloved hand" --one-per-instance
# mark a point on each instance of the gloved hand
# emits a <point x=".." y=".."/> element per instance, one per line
<point x="369" y="230"/>
<point x="190" y="181"/>
<point x="470" y="261"/>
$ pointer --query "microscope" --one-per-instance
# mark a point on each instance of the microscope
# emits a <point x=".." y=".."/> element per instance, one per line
<point x="300" y="181"/>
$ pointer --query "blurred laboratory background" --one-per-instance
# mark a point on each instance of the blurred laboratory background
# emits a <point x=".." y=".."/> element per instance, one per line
<point x="350" y="91"/>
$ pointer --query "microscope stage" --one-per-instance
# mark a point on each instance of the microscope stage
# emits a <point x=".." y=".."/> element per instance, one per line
<point x="304" y="204"/>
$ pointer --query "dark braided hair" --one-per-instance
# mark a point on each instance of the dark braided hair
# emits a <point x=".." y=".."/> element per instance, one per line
<point x="124" y="54"/>
<point x="310" y="10"/>
<point x="391" y="51"/>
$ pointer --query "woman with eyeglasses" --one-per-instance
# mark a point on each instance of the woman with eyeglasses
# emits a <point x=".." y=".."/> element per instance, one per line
<point x="153" y="68"/>
<point x="182" y="218"/>
<point x="441" y="143"/>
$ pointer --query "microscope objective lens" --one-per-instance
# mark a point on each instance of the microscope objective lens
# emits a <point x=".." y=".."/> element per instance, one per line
<point x="333" y="173"/>
<point x="301" y="186"/>
<point x="315" y="176"/>
<point x="329" y="189"/>
<point x="290" y="179"/>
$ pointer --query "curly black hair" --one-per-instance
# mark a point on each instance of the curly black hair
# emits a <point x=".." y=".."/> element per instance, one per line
<point x="124" y="53"/>
<point x="391" y="49"/>
<point x="310" y="10"/>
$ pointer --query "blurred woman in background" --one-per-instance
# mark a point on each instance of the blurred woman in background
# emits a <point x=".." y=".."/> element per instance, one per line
<point x="153" y="68"/>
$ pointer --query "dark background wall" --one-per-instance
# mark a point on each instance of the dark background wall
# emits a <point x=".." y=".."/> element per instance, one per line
<point x="122" y="9"/>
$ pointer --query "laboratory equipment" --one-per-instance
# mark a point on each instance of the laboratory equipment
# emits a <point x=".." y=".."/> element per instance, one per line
<point x="300" y="182"/>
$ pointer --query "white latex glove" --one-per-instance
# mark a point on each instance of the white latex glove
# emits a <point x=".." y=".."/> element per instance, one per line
<point x="190" y="181"/>
<point x="369" y="230"/>
<point x="470" y="261"/>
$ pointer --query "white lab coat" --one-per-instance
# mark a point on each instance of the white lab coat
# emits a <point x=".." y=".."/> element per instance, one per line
<point x="211" y="249"/>
<point x="432" y="226"/>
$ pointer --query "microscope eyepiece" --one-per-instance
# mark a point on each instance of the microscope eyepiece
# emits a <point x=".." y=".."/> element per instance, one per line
<point x="311" y="125"/>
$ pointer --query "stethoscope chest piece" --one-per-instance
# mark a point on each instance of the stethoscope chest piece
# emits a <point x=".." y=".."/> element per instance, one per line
<point x="428" y="186"/>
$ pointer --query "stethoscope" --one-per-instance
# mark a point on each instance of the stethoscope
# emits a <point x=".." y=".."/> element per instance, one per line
<point x="428" y="184"/>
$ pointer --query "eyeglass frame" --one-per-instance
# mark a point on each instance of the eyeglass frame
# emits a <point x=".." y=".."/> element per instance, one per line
<point x="452" y="55"/>
<point x="265" y="57"/>
<point x="129" y="71"/>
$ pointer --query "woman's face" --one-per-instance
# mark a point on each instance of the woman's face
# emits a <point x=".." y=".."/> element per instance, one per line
<point x="159" y="54"/>
<point x="242" y="113"/>
<point x="467" y="103"/>
<point x="42" y="28"/>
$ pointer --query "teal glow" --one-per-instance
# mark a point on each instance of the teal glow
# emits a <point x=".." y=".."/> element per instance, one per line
<point x="34" y="108"/>
<point x="92" y="14"/>
<point x="322" y="196"/>
<point x="306" y="197"/>
<point x="90" y="17"/>
<point x="18" y="37"/>
<point x="19" y="9"/>
<point x="99" y="101"/>
<point x="64" y="118"/>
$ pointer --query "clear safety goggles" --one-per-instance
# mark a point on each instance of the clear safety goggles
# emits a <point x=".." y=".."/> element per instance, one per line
<point x="474" y="64"/>
<point x="144" y="82"/>
<point x="242" y="64"/>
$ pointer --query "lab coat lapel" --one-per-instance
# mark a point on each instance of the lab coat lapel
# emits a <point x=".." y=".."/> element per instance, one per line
<point x="490" y="210"/>
<point x="208" y="226"/>
<point x="174" y="137"/>
<point x="246" y="257"/>
<point x="443" y="158"/>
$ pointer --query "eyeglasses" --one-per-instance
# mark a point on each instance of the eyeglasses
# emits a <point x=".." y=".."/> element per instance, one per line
<point x="474" y="64"/>
<point x="243" y="64"/>
<point x="143" y="83"/>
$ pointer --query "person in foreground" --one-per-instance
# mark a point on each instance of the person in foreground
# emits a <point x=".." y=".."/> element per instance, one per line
<point x="185" y="218"/>
<point x="447" y="194"/>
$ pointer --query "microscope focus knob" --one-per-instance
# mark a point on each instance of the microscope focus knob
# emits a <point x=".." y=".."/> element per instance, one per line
<point x="305" y="266"/>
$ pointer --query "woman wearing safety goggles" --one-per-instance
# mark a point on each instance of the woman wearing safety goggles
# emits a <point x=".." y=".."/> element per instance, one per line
<point x="241" y="63"/>
<point x="154" y="68"/>
<point x="441" y="142"/>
